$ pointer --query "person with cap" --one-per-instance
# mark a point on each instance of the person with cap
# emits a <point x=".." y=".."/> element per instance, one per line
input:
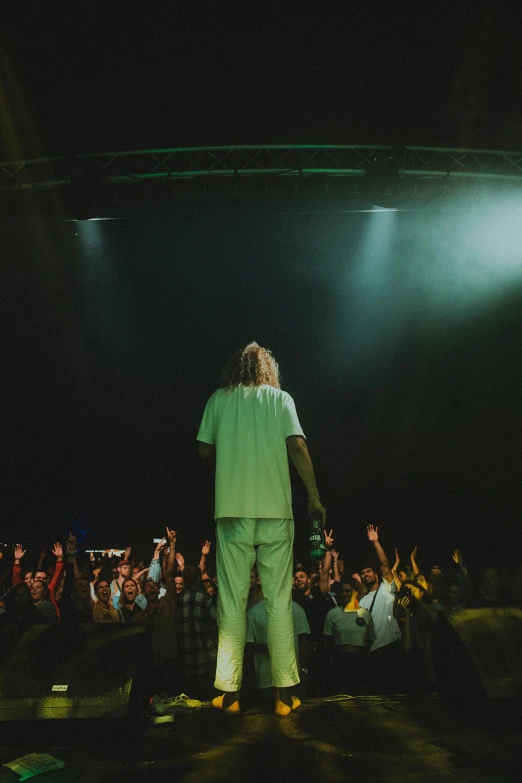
<point x="124" y="572"/>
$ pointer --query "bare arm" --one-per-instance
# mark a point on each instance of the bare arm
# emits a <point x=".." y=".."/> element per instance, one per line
<point x="18" y="554"/>
<point x="415" y="567"/>
<point x="205" y="550"/>
<point x="335" y="557"/>
<point x="298" y="451"/>
<point x="171" y="567"/>
<point x="373" y="535"/>
<point x="394" y="570"/>
<point x="324" y="573"/>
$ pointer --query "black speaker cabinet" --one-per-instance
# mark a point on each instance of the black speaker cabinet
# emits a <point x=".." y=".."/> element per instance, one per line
<point x="87" y="671"/>
<point x="477" y="655"/>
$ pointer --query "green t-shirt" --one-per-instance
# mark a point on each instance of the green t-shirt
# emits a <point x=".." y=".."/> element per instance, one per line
<point x="249" y="426"/>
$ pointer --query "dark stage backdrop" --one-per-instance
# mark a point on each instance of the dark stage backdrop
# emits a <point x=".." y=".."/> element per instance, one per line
<point x="398" y="337"/>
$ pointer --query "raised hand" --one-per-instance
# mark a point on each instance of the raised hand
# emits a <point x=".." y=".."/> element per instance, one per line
<point x="414" y="553"/>
<point x="127" y="553"/>
<point x="43" y="554"/>
<point x="457" y="557"/>
<point x="57" y="549"/>
<point x="71" y="543"/>
<point x="373" y="533"/>
<point x="328" y="539"/>
<point x="159" y="547"/>
<point x="171" y="538"/>
<point x="335" y="555"/>
<point x="180" y="561"/>
<point x="18" y="552"/>
<point x="205" y="549"/>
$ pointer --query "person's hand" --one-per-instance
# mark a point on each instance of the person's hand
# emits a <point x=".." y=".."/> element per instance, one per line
<point x="180" y="561"/>
<point x="43" y="554"/>
<point x="414" y="553"/>
<point x="404" y="602"/>
<point x="335" y="555"/>
<point x="171" y="538"/>
<point x="357" y="577"/>
<point x="127" y="553"/>
<point x="18" y="552"/>
<point x="71" y="544"/>
<point x="457" y="557"/>
<point x="373" y="533"/>
<point x="57" y="549"/>
<point x="316" y="505"/>
<point x="159" y="547"/>
<point x="328" y="539"/>
<point x="205" y="549"/>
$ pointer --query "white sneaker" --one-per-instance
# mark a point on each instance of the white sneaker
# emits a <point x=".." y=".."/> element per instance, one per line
<point x="163" y="705"/>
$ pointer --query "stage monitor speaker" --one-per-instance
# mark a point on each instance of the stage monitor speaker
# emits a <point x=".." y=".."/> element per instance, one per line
<point x="477" y="655"/>
<point x="85" y="671"/>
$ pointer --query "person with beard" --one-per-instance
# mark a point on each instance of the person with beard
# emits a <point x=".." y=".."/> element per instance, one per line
<point x="159" y="616"/>
<point x="386" y="654"/>
<point x="316" y="603"/>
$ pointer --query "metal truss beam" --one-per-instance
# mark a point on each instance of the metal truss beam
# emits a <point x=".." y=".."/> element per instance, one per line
<point x="253" y="161"/>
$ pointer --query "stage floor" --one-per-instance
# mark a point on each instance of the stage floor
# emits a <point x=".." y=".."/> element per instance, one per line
<point x="387" y="738"/>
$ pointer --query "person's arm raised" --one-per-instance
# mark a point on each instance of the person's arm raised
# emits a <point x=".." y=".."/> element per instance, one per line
<point x="171" y="566"/>
<point x="205" y="551"/>
<point x="373" y="536"/>
<point x="413" y="561"/>
<point x="326" y="564"/>
<point x="18" y="554"/>
<point x="336" y="574"/>
<point x="155" y="563"/>
<point x="298" y="451"/>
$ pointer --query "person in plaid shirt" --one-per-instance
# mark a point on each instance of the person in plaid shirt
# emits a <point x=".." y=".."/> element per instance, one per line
<point x="197" y="635"/>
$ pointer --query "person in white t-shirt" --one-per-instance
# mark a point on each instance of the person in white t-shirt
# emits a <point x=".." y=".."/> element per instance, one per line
<point x="349" y="633"/>
<point x="385" y="652"/>
<point x="251" y="426"/>
<point x="256" y="641"/>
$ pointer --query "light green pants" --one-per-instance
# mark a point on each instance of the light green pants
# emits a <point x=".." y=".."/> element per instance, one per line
<point x="240" y="543"/>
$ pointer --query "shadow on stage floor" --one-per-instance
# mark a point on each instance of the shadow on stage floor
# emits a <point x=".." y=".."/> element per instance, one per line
<point x="388" y="738"/>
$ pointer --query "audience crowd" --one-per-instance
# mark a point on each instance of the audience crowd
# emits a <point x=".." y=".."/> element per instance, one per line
<point x="360" y="633"/>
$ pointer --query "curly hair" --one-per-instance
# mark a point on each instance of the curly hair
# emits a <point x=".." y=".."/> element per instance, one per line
<point x="251" y="366"/>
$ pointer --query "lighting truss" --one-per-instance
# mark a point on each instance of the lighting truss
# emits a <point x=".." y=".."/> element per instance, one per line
<point x="327" y="162"/>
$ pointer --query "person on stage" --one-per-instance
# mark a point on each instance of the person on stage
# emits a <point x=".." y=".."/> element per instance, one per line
<point x="251" y="426"/>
